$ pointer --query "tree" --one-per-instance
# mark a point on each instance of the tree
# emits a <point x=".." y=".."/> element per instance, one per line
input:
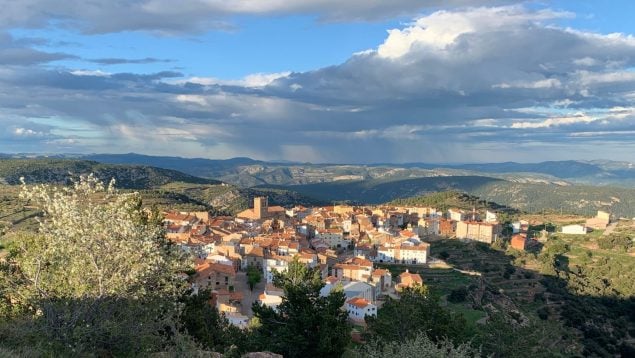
<point x="416" y="311"/>
<point x="305" y="324"/>
<point x="458" y="295"/>
<point x="502" y="338"/>
<point x="419" y="346"/>
<point x="254" y="276"/>
<point x="99" y="277"/>
<point x="209" y="327"/>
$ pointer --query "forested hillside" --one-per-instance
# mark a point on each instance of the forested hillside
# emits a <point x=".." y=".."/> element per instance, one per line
<point x="59" y="171"/>
<point x="576" y="199"/>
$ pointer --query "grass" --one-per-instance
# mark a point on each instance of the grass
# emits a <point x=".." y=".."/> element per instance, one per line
<point x="471" y="315"/>
<point x="440" y="281"/>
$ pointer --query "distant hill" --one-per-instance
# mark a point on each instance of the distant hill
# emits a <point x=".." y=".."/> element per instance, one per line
<point x="164" y="188"/>
<point x="60" y="171"/>
<point x="554" y="185"/>
<point x="592" y="172"/>
<point x="376" y="191"/>
<point x="577" y="199"/>
<point x="206" y="168"/>
<point x="445" y="200"/>
<point x="247" y="172"/>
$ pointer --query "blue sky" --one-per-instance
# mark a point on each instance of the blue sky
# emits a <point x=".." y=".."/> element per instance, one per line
<point x="281" y="43"/>
<point x="322" y="81"/>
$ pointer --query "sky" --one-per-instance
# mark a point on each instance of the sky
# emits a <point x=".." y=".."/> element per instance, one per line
<point x="357" y="81"/>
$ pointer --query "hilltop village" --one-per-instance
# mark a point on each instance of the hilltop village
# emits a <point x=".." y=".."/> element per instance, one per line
<point x="347" y="243"/>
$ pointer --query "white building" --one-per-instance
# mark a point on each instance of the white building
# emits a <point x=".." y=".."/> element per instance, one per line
<point x="414" y="254"/>
<point x="360" y="289"/>
<point x="237" y="319"/>
<point x="277" y="263"/>
<point x="220" y="259"/>
<point x="332" y="237"/>
<point x="456" y="214"/>
<point x="574" y="229"/>
<point x="271" y="298"/>
<point x="407" y="253"/>
<point x="358" y="308"/>
<point x="428" y="226"/>
<point x="491" y="217"/>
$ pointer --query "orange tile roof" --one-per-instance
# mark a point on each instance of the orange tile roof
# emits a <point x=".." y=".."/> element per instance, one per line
<point x="380" y="272"/>
<point x="358" y="302"/>
<point x="415" y="277"/>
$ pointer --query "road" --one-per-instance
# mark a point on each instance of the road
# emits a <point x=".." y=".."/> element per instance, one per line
<point x="249" y="297"/>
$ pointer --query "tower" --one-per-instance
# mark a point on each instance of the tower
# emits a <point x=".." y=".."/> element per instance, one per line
<point x="261" y="207"/>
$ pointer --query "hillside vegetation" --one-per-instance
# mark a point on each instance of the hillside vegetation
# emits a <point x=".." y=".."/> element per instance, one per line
<point x="576" y="199"/>
<point x="249" y="172"/>
<point x="59" y="171"/>
<point x="451" y="199"/>
<point x="161" y="188"/>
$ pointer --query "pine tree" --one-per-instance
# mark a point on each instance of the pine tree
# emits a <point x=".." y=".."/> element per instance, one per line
<point x="305" y="324"/>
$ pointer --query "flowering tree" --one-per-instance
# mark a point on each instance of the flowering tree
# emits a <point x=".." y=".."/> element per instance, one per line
<point x="96" y="242"/>
<point x="98" y="278"/>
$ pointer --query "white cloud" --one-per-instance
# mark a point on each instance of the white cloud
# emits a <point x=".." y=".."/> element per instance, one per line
<point x="546" y="83"/>
<point x="254" y="80"/>
<point x="452" y="84"/>
<point x="441" y="29"/>
<point x="26" y="132"/>
<point x="97" y="73"/>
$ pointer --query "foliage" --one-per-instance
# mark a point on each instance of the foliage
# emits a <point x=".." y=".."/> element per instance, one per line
<point x="254" y="276"/>
<point x="419" y="346"/>
<point x="305" y="324"/>
<point x="458" y="295"/>
<point x="528" y="197"/>
<point x="416" y="311"/>
<point x="619" y="242"/>
<point x="99" y="276"/>
<point x="207" y="326"/>
<point x="94" y="247"/>
<point x="56" y="171"/>
<point x="502" y="337"/>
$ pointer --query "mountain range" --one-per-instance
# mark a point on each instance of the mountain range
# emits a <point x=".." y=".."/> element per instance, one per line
<point x="249" y="172"/>
<point x="580" y="187"/>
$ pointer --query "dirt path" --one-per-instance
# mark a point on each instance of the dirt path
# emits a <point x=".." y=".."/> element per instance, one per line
<point x="609" y="229"/>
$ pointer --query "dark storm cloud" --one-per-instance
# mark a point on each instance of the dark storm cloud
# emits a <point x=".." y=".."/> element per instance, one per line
<point x="163" y="16"/>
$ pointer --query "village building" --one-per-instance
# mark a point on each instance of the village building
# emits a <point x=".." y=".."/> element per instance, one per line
<point x="382" y="278"/>
<point x="214" y="276"/>
<point x="574" y="229"/>
<point x="447" y="227"/>
<point x="478" y="231"/>
<point x="519" y="242"/>
<point x="407" y="279"/>
<point x="262" y="210"/>
<point x="358" y="308"/>
<point x="356" y="269"/>
<point x="491" y="217"/>
<point x="600" y="221"/>
<point x="360" y="289"/>
<point x="405" y="253"/>
<point x="456" y="215"/>
<point x="271" y="297"/>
